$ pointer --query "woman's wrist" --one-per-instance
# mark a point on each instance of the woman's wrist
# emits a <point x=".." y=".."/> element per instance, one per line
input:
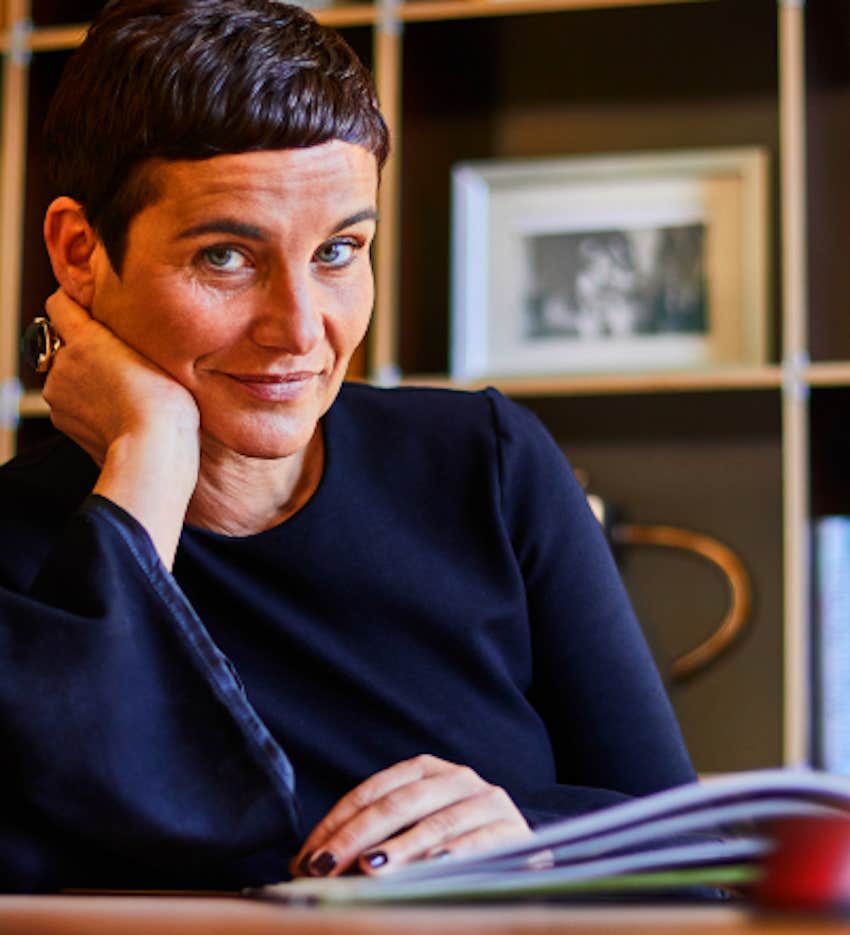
<point x="152" y="475"/>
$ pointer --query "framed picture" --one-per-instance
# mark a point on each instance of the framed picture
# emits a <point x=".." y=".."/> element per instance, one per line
<point x="647" y="261"/>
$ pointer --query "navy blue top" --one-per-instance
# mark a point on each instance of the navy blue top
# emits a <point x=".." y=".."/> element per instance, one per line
<point x="445" y="590"/>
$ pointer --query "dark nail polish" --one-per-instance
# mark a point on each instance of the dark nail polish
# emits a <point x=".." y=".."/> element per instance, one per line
<point x="322" y="864"/>
<point x="376" y="859"/>
<point x="304" y="864"/>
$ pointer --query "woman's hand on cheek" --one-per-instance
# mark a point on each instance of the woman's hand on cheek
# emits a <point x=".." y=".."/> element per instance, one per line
<point x="420" y="808"/>
<point x="100" y="389"/>
<point x="140" y="425"/>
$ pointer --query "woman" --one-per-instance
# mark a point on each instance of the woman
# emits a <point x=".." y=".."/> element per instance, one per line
<point x="255" y="621"/>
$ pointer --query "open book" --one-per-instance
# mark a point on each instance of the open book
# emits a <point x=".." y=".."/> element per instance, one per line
<point x="713" y="833"/>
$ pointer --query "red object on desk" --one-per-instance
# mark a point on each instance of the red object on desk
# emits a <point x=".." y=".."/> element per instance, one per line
<point x="810" y="867"/>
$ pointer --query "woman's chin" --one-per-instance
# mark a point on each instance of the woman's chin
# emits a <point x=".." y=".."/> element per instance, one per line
<point x="265" y="445"/>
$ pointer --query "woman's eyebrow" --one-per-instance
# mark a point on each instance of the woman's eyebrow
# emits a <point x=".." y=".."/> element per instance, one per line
<point x="224" y="226"/>
<point x="252" y="232"/>
<point x="367" y="214"/>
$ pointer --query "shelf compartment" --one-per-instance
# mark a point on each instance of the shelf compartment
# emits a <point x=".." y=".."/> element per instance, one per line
<point x="548" y="98"/>
<point x="56" y="12"/>
<point x="829" y="444"/>
<point x="828" y="141"/>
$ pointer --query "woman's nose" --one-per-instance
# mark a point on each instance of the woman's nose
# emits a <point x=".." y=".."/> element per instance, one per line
<point x="290" y="319"/>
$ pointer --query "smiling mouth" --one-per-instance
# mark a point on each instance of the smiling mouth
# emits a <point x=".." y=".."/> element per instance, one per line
<point x="274" y="386"/>
<point x="294" y="377"/>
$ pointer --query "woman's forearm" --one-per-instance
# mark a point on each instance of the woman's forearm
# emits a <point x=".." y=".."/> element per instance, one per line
<point x="152" y="476"/>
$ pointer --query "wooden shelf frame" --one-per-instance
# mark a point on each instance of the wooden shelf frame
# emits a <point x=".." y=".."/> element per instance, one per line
<point x="13" y="132"/>
<point x="797" y="627"/>
<point x="417" y="11"/>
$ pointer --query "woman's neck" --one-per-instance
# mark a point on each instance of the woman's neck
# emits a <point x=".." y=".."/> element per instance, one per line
<point x="241" y="496"/>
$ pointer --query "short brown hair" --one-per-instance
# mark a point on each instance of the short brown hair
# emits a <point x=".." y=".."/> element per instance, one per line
<point x="192" y="79"/>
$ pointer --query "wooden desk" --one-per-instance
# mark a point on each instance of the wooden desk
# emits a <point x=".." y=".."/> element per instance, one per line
<point x="188" y="915"/>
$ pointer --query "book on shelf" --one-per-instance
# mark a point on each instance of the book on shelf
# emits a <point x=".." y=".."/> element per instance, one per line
<point x="715" y="833"/>
<point x="831" y="643"/>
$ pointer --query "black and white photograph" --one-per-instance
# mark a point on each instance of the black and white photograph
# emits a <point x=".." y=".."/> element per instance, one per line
<point x="616" y="283"/>
<point x="621" y="263"/>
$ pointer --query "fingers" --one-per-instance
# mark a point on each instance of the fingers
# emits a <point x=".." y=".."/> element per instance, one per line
<point x="100" y="389"/>
<point x="66" y="316"/>
<point x="475" y="823"/>
<point x="412" y="810"/>
<point x="331" y="836"/>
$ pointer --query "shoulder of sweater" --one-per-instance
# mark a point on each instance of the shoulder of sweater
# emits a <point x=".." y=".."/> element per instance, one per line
<point x="421" y="407"/>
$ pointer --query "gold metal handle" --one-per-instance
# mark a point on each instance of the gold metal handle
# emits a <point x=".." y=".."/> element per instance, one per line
<point x="740" y="590"/>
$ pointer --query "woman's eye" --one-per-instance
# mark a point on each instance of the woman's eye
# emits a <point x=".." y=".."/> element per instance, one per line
<point x="337" y="253"/>
<point x="224" y="259"/>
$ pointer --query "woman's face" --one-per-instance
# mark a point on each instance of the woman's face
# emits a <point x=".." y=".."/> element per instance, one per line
<point x="249" y="281"/>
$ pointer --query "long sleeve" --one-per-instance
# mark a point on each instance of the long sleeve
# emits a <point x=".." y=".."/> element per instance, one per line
<point x="132" y="753"/>
<point x="595" y="683"/>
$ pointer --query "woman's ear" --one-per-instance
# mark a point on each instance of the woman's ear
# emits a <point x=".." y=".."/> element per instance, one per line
<point x="71" y="244"/>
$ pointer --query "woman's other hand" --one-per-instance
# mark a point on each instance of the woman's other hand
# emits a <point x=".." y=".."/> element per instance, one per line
<point x="134" y="420"/>
<point x="419" y="808"/>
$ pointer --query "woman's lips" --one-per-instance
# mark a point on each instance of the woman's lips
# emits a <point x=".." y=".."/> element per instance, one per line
<point x="274" y="387"/>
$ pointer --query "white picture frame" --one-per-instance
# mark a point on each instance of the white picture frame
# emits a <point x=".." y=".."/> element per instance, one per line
<point x="634" y="262"/>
